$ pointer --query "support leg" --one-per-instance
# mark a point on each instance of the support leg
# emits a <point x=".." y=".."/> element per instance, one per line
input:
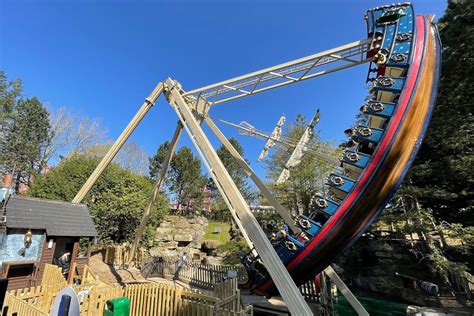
<point x="262" y="187"/>
<point x="149" y="102"/>
<point x="156" y="190"/>
<point x="285" y="284"/>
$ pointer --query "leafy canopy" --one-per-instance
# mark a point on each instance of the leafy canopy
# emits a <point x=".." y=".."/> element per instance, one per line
<point x="305" y="179"/>
<point x="116" y="201"/>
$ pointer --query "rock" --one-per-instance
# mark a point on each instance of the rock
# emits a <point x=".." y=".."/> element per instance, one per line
<point x="178" y="228"/>
<point x="183" y="236"/>
<point x="210" y="245"/>
<point x="188" y="250"/>
<point x="168" y="244"/>
<point x="164" y="233"/>
<point x="178" y="234"/>
<point x="212" y="260"/>
<point x="160" y="252"/>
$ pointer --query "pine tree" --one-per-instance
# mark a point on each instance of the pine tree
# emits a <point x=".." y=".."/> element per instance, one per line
<point x="442" y="177"/>
<point x="27" y="134"/>
<point x="156" y="161"/>
<point x="185" y="179"/>
<point x="10" y="92"/>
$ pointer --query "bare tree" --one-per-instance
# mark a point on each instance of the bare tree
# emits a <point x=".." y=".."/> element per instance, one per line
<point x="70" y="132"/>
<point x="131" y="157"/>
<point x="58" y="138"/>
<point x="88" y="132"/>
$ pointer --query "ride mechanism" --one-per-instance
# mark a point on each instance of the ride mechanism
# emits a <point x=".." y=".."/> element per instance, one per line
<point x="403" y="53"/>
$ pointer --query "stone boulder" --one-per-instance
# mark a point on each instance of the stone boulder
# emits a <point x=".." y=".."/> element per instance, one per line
<point x="182" y="229"/>
<point x="210" y="245"/>
<point x="212" y="260"/>
<point x="162" y="252"/>
<point x="168" y="244"/>
<point x="183" y="237"/>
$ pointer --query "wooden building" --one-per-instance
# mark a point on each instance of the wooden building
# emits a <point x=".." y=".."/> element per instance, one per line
<point x="39" y="231"/>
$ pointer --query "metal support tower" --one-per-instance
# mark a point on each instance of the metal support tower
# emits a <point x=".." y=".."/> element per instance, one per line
<point x="192" y="107"/>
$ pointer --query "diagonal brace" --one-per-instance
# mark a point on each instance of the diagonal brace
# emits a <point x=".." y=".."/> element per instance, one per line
<point x="156" y="189"/>
<point x="272" y="261"/>
<point x="146" y="106"/>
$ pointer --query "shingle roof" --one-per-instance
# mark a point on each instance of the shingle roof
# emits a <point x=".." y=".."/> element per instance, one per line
<point x="57" y="217"/>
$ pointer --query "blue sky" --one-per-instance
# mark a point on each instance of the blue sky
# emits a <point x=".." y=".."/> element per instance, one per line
<point x="102" y="58"/>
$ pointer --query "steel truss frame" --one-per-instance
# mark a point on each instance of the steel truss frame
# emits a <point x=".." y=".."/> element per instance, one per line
<point x="312" y="66"/>
<point x="191" y="108"/>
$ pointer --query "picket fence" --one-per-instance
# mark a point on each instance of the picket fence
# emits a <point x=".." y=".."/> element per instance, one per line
<point x="146" y="299"/>
<point x="206" y="276"/>
<point x="166" y="300"/>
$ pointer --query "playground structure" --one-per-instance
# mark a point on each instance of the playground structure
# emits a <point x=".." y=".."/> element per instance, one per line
<point x="403" y="51"/>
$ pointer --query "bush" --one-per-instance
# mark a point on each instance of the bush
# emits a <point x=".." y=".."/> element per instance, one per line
<point x="232" y="251"/>
<point x="116" y="201"/>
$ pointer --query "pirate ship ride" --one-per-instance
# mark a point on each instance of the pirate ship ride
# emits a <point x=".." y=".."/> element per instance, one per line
<point x="403" y="77"/>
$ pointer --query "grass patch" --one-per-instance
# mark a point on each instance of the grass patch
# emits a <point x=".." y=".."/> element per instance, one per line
<point x="222" y="237"/>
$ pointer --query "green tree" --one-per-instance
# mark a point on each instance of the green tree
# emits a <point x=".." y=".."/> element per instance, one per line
<point x="116" y="201"/>
<point x="156" y="161"/>
<point x="442" y="177"/>
<point x="185" y="178"/>
<point x="27" y="134"/>
<point x="10" y="92"/>
<point x="305" y="179"/>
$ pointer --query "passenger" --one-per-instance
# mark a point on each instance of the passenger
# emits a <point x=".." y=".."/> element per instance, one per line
<point x="181" y="264"/>
<point x="351" y="142"/>
<point x="63" y="261"/>
<point x="273" y="239"/>
<point x="281" y="234"/>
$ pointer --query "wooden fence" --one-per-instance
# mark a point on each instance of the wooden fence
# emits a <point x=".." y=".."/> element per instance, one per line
<point x="167" y="300"/>
<point x="93" y="300"/>
<point x="86" y="276"/>
<point x="53" y="275"/>
<point x="38" y="299"/>
<point x="14" y="306"/>
<point x="146" y="299"/>
<point x="119" y="255"/>
<point x="207" y="276"/>
<point x="200" y="275"/>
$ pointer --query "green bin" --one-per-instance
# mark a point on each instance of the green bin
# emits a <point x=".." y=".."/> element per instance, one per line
<point x="117" y="307"/>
